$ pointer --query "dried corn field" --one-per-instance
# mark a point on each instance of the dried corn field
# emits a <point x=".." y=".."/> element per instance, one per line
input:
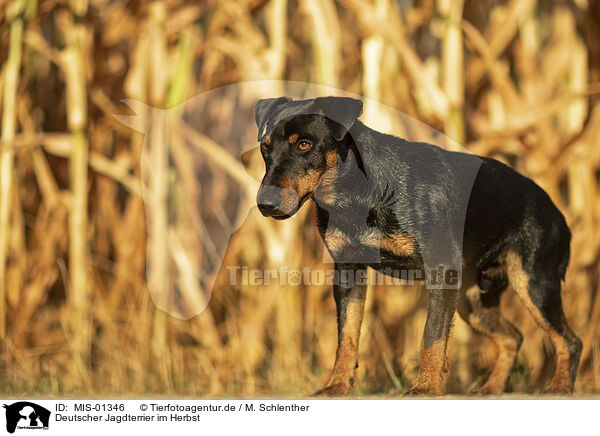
<point x="516" y="80"/>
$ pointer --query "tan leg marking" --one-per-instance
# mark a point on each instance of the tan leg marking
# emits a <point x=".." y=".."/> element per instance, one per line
<point x="342" y="376"/>
<point x="519" y="280"/>
<point x="490" y="322"/>
<point x="561" y="382"/>
<point x="507" y="346"/>
<point x="433" y="370"/>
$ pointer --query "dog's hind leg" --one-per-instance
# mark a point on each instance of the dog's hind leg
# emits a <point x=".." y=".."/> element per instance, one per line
<point x="541" y="296"/>
<point x="433" y="367"/>
<point x="349" y="291"/>
<point x="482" y="312"/>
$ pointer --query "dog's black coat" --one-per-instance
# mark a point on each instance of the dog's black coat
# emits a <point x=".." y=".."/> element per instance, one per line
<point x="430" y="194"/>
<point x="461" y="212"/>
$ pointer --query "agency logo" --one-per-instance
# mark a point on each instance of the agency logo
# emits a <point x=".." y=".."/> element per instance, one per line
<point x="26" y="415"/>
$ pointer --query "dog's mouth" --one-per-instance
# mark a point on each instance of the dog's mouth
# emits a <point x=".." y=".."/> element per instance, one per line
<point x="304" y="199"/>
<point x="284" y="215"/>
<point x="281" y="215"/>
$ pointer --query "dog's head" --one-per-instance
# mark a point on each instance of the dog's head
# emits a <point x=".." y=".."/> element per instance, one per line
<point x="299" y="141"/>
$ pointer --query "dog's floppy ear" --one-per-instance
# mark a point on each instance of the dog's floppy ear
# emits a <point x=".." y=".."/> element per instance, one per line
<point x="263" y="109"/>
<point x="341" y="113"/>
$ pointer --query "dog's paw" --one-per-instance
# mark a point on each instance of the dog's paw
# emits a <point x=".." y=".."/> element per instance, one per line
<point x="334" y="390"/>
<point x="423" y="391"/>
<point x="491" y="387"/>
<point x="558" y="389"/>
<point x="489" y="390"/>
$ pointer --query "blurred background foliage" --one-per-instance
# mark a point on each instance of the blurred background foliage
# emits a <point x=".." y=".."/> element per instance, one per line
<point x="517" y="80"/>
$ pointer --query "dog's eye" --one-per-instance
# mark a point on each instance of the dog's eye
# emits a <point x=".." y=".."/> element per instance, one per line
<point x="264" y="147"/>
<point x="304" y="145"/>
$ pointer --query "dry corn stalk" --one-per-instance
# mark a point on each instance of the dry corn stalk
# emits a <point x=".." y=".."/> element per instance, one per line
<point x="73" y="64"/>
<point x="9" y="124"/>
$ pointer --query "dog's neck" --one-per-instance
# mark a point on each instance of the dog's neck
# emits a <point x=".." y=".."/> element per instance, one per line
<point x="356" y="178"/>
<point x="351" y="189"/>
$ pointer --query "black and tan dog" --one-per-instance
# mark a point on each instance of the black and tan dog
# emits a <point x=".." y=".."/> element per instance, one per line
<point x="469" y="226"/>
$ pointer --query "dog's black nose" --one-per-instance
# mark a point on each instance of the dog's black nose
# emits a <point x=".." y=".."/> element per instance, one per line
<point x="268" y="200"/>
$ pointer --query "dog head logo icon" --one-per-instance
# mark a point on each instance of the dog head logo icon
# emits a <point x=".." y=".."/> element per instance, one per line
<point x="26" y="415"/>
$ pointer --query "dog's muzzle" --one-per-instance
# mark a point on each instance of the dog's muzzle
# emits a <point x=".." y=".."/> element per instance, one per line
<point x="276" y="202"/>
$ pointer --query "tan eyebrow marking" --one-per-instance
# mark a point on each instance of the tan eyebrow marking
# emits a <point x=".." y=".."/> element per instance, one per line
<point x="268" y="140"/>
<point x="293" y="138"/>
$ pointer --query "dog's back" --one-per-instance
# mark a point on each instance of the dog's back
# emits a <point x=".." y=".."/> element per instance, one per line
<point x="504" y="210"/>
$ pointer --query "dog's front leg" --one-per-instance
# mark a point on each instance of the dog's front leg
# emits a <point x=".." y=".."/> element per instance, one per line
<point x="349" y="291"/>
<point x="433" y="367"/>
